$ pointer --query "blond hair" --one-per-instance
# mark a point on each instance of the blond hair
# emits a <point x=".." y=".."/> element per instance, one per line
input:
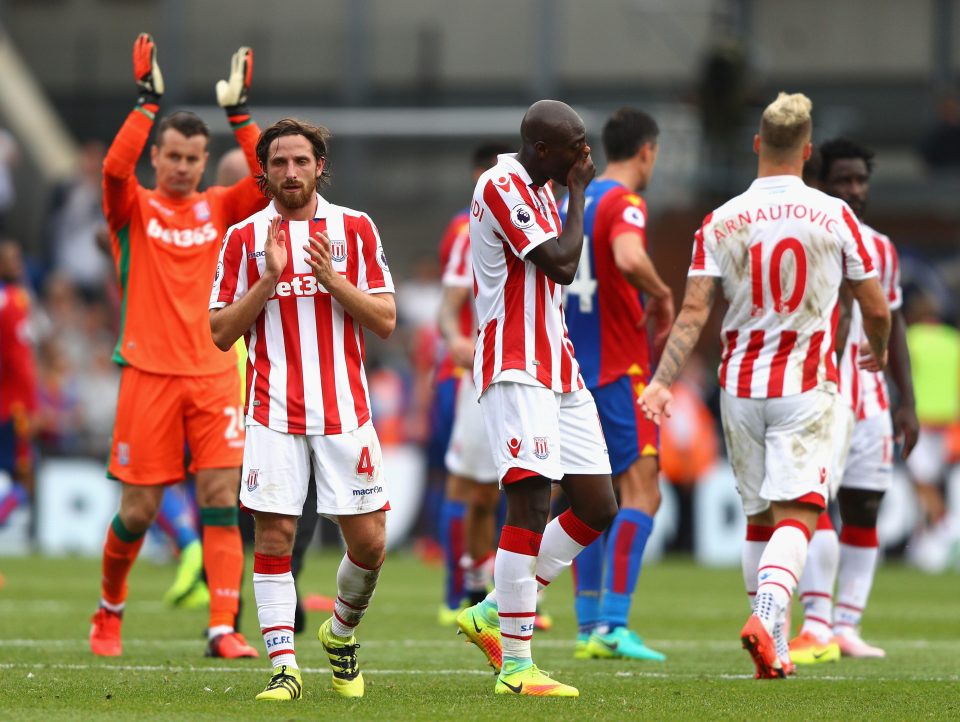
<point x="786" y="124"/>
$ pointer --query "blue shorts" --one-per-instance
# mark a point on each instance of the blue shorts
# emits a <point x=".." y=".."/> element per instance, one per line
<point x="17" y="452"/>
<point x="441" y="422"/>
<point x="628" y="432"/>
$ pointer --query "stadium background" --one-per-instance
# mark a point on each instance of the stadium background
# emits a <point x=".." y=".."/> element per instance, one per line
<point x="407" y="89"/>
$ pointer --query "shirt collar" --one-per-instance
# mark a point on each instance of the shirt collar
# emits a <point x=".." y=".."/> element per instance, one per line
<point x="510" y="160"/>
<point x="772" y="181"/>
<point x="323" y="208"/>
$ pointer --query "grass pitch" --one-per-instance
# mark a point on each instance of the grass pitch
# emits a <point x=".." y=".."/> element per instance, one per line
<point x="417" y="670"/>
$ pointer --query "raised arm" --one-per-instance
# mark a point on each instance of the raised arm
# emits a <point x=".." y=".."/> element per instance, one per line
<point x="559" y="257"/>
<point x="232" y="95"/>
<point x="229" y="323"/>
<point x="120" y="163"/>
<point x="697" y="304"/>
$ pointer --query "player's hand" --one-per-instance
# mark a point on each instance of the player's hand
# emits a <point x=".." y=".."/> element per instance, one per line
<point x="232" y="92"/>
<point x="319" y="258"/>
<point x="662" y="312"/>
<point x="461" y="351"/>
<point x="906" y="426"/>
<point x="655" y="402"/>
<point x="146" y="71"/>
<point x="275" y="249"/>
<point x="582" y="171"/>
<point x="869" y="362"/>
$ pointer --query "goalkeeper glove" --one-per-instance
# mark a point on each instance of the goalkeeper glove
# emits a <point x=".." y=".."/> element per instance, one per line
<point x="146" y="71"/>
<point x="232" y="93"/>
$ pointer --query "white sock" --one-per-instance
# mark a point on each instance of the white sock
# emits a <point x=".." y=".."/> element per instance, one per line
<point x="477" y="574"/>
<point x="816" y="584"/>
<point x="355" y="587"/>
<point x="779" y="571"/>
<point x="276" y="598"/>
<point x="756" y="542"/>
<point x="564" y="538"/>
<point x="858" y="564"/>
<point x="516" y="589"/>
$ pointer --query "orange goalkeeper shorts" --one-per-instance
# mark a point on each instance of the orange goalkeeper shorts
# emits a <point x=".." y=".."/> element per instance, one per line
<point x="158" y="416"/>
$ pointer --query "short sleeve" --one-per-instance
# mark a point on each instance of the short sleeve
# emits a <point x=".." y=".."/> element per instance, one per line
<point x="515" y="215"/>
<point x="458" y="273"/>
<point x="628" y="214"/>
<point x="857" y="264"/>
<point x="703" y="262"/>
<point x="374" y="275"/>
<point x="230" y="282"/>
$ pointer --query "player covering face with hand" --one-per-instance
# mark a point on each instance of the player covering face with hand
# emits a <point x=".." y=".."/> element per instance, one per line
<point x="541" y="420"/>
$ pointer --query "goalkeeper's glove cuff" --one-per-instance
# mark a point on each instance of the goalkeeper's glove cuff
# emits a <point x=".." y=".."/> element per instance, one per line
<point x="238" y="115"/>
<point x="148" y="97"/>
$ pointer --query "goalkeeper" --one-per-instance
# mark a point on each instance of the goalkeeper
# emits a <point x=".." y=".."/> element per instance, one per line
<point x="176" y="387"/>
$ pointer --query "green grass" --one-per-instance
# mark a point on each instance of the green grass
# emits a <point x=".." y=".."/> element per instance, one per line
<point x="417" y="670"/>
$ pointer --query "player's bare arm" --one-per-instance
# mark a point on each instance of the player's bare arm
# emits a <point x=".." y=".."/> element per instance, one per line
<point x="876" y="321"/>
<point x="448" y="319"/>
<point x="845" y="299"/>
<point x="229" y="323"/>
<point x="635" y="265"/>
<point x="377" y="311"/>
<point x="560" y="256"/>
<point x="905" y="423"/>
<point x="697" y="304"/>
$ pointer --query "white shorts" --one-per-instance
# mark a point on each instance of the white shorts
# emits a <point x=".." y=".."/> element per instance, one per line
<point x="780" y="449"/>
<point x="347" y="468"/>
<point x="928" y="460"/>
<point x="535" y="429"/>
<point x="469" y="454"/>
<point x="844" y="422"/>
<point x="870" y="463"/>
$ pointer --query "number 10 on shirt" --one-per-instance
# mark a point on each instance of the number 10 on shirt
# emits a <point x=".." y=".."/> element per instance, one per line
<point x="799" y="282"/>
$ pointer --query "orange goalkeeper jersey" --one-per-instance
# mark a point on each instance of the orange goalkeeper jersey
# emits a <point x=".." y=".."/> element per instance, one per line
<point x="166" y="251"/>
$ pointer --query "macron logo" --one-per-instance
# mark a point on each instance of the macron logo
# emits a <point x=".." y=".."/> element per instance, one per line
<point x="366" y="492"/>
<point x="514" y="446"/>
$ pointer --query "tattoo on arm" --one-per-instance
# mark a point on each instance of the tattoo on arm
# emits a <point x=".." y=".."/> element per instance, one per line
<point x="697" y="303"/>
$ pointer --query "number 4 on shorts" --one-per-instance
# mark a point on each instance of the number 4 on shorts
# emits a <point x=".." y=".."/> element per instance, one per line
<point x="365" y="465"/>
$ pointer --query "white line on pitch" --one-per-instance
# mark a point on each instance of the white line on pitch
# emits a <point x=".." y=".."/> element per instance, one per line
<point x="449" y="672"/>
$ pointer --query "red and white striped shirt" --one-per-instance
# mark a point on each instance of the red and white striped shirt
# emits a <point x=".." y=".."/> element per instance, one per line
<point x="866" y="391"/>
<point x="305" y="371"/>
<point x="781" y="250"/>
<point x="522" y="336"/>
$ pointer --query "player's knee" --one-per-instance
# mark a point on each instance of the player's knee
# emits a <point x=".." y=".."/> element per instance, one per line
<point x="137" y="518"/>
<point x="369" y="553"/>
<point x="860" y="507"/>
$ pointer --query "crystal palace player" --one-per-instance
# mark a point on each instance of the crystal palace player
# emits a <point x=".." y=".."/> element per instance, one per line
<point x="541" y="421"/>
<point x="176" y="386"/>
<point x="303" y="310"/>
<point x="780" y="251"/>
<point x="868" y="473"/>
<point x="606" y="319"/>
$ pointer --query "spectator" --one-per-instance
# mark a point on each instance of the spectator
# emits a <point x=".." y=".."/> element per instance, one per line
<point x="8" y="159"/>
<point x="76" y="230"/>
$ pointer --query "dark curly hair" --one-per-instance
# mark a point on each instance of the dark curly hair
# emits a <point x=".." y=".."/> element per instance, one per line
<point x="843" y="149"/>
<point x="317" y="136"/>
